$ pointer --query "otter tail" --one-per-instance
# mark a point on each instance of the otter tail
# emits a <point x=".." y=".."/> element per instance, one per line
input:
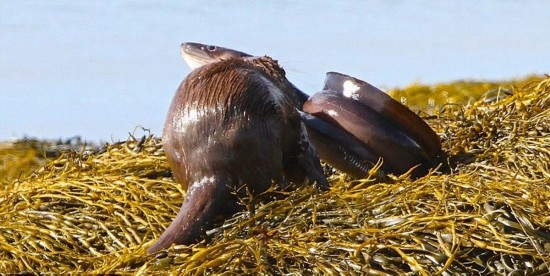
<point x="202" y="202"/>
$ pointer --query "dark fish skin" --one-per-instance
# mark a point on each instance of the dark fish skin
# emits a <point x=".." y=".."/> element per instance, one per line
<point x="396" y="113"/>
<point x="399" y="152"/>
<point x="338" y="147"/>
<point x="197" y="54"/>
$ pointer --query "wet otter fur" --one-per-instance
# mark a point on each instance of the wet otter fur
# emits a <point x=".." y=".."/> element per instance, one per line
<point x="231" y="124"/>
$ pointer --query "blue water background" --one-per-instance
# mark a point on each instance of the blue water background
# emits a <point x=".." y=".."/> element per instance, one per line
<point x="98" y="69"/>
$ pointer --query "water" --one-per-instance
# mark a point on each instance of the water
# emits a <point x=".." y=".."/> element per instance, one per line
<point x="98" y="69"/>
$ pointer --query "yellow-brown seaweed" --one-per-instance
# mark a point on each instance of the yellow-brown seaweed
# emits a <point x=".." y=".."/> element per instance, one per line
<point x="97" y="212"/>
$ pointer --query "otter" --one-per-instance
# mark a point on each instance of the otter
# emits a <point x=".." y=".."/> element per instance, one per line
<point x="196" y="55"/>
<point x="232" y="124"/>
<point x="351" y="123"/>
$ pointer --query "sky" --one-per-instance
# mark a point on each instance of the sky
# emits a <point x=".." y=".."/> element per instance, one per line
<point x="101" y="69"/>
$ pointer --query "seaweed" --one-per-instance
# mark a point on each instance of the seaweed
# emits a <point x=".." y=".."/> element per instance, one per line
<point x="97" y="211"/>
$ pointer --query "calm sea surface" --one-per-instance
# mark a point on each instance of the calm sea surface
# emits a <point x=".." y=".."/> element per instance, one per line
<point x="98" y="69"/>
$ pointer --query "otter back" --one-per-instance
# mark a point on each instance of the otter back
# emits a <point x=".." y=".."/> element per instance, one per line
<point x="231" y="124"/>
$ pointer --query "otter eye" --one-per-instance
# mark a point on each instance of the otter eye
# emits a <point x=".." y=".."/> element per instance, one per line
<point x="211" y="48"/>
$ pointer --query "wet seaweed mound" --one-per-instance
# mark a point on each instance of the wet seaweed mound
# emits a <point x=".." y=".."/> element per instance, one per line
<point x="488" y="211"/>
